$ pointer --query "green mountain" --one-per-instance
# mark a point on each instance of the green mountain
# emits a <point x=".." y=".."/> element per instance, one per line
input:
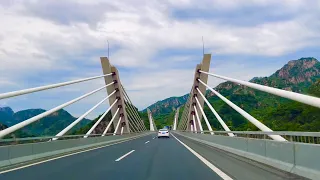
<point x="100" y="128"/>
<point x="167" y="105"/>
<point x="6" y="115"/>
<point x="277" y="113"/>
<point x="162" y="120"/>
<point x="297" y="76"/>
<point x="293" y="116"/>
<point x="49" y="125"/>
<point x="2" y="126"/>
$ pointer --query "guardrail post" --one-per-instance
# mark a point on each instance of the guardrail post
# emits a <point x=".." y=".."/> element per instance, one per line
<point x="108" y="68"/>
<point x="204" y="66"/>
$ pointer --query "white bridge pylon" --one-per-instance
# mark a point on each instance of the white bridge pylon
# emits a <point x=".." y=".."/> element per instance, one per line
<point x="175" y="122"/>
<point x="151" y="121"/>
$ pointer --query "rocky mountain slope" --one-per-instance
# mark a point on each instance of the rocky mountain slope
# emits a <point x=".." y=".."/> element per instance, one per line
<point x="167" y="105"/>
<point x="296" y="75"/>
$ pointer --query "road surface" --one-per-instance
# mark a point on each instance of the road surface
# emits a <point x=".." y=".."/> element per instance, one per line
<point x="149" y="158"/>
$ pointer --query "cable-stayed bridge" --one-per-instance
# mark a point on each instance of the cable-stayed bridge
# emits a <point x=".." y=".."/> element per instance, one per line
<point x="128" y="149"/>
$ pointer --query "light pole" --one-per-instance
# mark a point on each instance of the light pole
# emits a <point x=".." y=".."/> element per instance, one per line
<point x="108" y="49"/>
<point x="202" y="46"/>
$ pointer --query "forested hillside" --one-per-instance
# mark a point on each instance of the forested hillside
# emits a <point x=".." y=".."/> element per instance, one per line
<point x="278" y="113"/>
<point x="48" y="126"/>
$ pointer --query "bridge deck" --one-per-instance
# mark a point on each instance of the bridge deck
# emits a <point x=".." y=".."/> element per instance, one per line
<point x="157" y="159"/>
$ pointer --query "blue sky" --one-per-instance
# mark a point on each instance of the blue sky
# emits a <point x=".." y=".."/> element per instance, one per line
<point x="155" y="44"/>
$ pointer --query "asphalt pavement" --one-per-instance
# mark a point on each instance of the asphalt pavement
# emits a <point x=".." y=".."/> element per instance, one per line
<point x="149" y="158"/>
<point x="152" y="158"/>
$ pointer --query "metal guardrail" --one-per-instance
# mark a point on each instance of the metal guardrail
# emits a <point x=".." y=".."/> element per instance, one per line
<point x="292" y="136"/>
<point x="13" y="141"/>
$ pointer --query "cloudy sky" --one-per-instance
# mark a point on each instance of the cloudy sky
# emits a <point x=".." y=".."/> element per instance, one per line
<point x="155" y="44"/>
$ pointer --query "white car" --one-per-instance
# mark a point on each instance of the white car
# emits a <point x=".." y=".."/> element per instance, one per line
<point x="163" y="133"/>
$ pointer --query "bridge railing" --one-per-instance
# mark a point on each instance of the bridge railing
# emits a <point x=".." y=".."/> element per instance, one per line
<point x="291" y="136"/>
<point x="15" y="141"/>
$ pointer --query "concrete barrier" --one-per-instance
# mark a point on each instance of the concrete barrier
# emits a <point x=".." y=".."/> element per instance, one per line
<point x="298" y="158"/>
<point x="307" y="159"/>
<point x="256" y="147"/>
<point x="20" y="153"/>
<point x="23" y="153"/>
<point x="4" y="156"/>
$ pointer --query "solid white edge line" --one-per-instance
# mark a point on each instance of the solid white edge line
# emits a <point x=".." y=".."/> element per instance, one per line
<point x="147" y="142"/>
<point x="119" y="159"/>
<point x="40" y="162"/>
<point x="206" y="162"/>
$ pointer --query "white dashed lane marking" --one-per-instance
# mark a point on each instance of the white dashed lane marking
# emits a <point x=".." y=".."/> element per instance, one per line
<point x="119" y="159"/>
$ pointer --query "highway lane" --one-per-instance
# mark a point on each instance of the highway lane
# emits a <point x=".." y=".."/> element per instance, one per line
<point x="165" y="159"/>
<point x="79" y="166"/>
<point x="157" y="159"/>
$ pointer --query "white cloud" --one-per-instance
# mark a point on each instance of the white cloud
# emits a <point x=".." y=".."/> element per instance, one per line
<point x="50" y="37"/>
<point x="237" y="4"/>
